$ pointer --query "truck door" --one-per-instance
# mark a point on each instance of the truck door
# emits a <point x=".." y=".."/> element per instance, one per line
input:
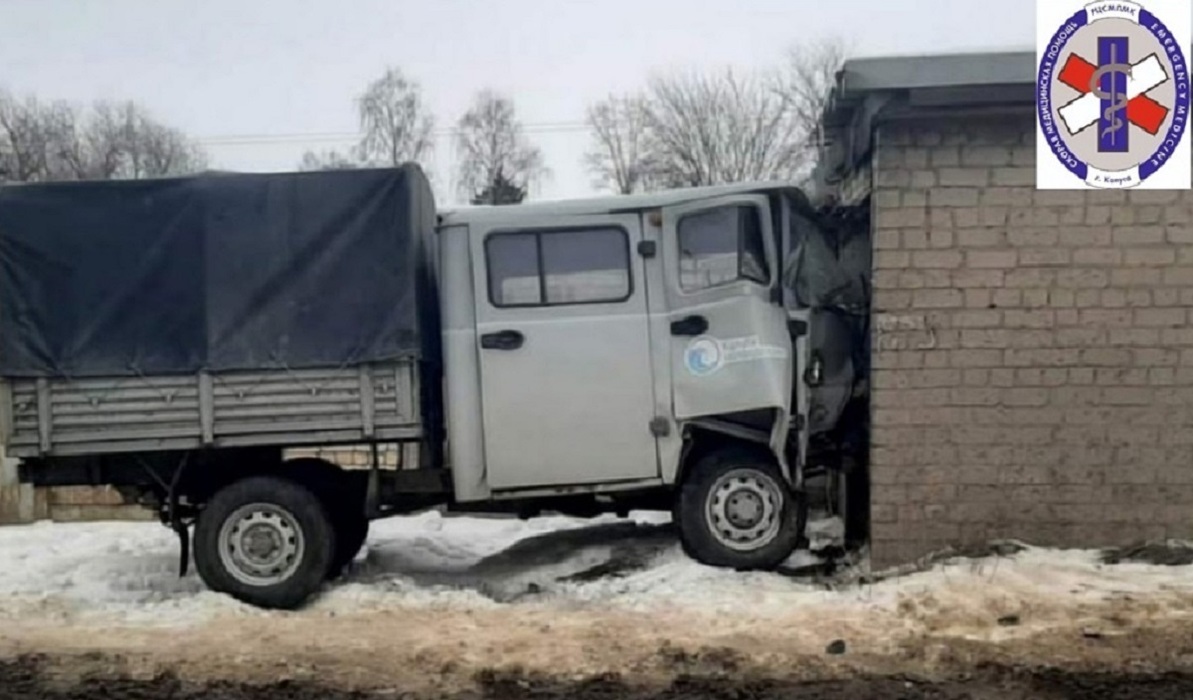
<point x="564" y="344"/>
<point x="730" y="349"/>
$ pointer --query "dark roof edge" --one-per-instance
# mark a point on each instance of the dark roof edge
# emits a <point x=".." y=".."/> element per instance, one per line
<point x="945" y="70"/>
<point x="870" y="90"/>
<point x="959" y="74"/>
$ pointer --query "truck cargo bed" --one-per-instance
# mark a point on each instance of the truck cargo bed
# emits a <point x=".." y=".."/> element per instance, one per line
<point x="45" y="417"/>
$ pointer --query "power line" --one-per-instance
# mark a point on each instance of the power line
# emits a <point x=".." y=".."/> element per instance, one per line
<point x="348" y="136"/>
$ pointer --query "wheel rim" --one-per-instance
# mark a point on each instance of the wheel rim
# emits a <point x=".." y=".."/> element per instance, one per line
<point x="261" y="544"/>
<point x="744" y="508"/>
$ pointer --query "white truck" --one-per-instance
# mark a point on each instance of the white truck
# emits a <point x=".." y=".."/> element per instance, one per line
<point x="700" y="351"/>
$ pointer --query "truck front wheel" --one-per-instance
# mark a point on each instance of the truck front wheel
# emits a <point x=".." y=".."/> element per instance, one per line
<point x="736" y="510"/>
<point x="266" y="541"/>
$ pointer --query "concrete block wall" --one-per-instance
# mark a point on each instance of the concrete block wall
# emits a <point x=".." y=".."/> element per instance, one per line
<point x="1033" y="350"/>
<point x="22" y="504"/>
<point x="17" y="502"/>
<point x="89" y="503"/>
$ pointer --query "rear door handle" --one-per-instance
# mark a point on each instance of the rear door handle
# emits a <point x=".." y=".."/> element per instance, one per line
<point x="689" y="325"/>
<point x="502" y="340"/>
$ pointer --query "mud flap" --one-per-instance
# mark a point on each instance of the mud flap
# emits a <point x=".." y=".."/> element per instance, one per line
<point x="184" y="548"/>
<point x="174" y="520"/>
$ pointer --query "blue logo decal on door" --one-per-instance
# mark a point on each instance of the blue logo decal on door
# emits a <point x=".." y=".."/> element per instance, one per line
<point x="704" y="356"/>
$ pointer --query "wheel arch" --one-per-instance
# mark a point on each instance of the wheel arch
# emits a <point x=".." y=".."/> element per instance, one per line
<point x="332" y="483"/>
<point x="701" y="439"/>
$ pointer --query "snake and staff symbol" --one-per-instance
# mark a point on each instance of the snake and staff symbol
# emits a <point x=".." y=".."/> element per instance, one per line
<point x="1109" y="84"/>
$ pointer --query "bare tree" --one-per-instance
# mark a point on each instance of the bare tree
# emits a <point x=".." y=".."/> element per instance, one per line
<point x="163" y="151"/>
<point x="623" y="153"/>
<point x="495" y="155"/>
<point x="397" y="127"/>
<point x="25" y="141"/>
<point x="327" y="160"/>
<point x="723" y="127"/>
<point x="105" y="137"/>
<point x="57" y="141"/>
<point x="69" y="157"/>
<point x="808" y="80"/>
<point x="125" y="142"/>
<point x="395" y="124"/>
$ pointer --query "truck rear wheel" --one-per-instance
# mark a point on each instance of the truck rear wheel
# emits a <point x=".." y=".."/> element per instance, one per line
<point x="736" y="510"/>
<point x="265" y="541"/>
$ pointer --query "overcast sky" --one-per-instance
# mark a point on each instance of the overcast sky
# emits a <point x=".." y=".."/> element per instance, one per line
<point x="260" y="81"/>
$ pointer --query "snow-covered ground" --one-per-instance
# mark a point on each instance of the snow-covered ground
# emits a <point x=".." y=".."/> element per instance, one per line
<point x="433" y="601"/>
<point x="127" y="573"/>
<point x="130" y="570"/>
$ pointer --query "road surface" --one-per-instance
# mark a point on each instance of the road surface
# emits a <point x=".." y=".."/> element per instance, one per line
<point x="557" y="607"/>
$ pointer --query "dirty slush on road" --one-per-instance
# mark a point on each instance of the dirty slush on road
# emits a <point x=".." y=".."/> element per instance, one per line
<point x="28" y="678"/>
<point x="561" y="608"/>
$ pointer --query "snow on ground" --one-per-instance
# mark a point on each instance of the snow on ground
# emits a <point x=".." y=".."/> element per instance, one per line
<point x="127" y="573"/>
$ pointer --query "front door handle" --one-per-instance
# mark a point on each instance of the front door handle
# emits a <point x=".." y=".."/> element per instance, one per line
<point x="502" y="340"/>
<point x="689" y="325"/>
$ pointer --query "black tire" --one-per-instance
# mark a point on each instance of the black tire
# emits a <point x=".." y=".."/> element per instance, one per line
<point x="722" y="470"/>
<point x="352" y="529"/>
<point x="343" y="498"/>
<point x="287" y="511"/>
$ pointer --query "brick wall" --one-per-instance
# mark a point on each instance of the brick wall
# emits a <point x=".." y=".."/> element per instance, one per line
<point x="1033" y="354"/>
<point x="350" y="456"/>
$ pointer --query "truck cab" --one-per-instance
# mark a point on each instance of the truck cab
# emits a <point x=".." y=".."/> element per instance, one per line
<point x="640" y="349"/>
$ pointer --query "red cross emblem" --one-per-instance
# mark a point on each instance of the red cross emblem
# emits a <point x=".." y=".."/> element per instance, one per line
<point x="1142" y="111"/>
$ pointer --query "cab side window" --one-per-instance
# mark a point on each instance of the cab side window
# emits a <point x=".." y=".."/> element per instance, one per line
<point x="555" y="267"/>
<point x="720" y="246"/>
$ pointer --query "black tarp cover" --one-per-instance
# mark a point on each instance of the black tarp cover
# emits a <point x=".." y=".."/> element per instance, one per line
<point x="216" y="272"/>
